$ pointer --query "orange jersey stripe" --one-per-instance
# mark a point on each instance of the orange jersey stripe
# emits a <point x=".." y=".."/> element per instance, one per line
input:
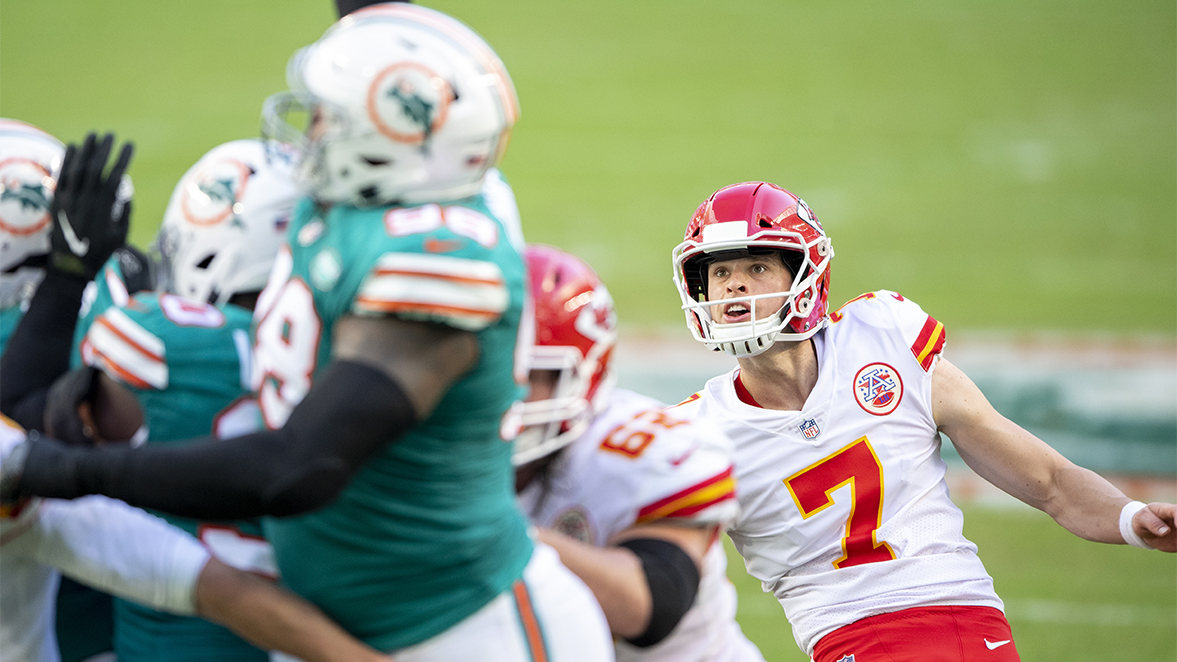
<point x="415" y="307"/>
<point x="691" y="500"/>
<point x="929" y="343"/>
<point x="535" y="638"/>
<point x="122" y="373"/>
<point x="113" y="329"/>
<point x="446" y="277"/>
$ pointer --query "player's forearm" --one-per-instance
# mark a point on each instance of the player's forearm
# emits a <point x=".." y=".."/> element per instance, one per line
<point x="615" y="576"/>
<point x="274" y="619"/>
<point x="350" y="414"/>
<point x="121" y="550"/>
<point x="1080" y="500"/>
<point x="1088" y="505"/>
<point x="38" y="351"/>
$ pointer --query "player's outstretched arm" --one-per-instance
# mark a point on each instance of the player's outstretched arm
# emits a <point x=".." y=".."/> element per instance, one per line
<point x="272" y="618"/>
<point x="1024" y="466"/>
<point x="386" y="374"/>
<point x="90" y="214"/>
<point x="645" y="581"/>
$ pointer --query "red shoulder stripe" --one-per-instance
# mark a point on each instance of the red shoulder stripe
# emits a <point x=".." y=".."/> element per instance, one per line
<point x="929" y="343"/>
<point x="691" y="500"/>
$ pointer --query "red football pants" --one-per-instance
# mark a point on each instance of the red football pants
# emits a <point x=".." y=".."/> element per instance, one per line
<point x="922" y="634"/>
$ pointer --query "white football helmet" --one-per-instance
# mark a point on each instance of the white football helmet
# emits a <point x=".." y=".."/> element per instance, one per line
<point x="30" y="161"/>
<point x="402" y="104"/>
<point x="226" y="221"/>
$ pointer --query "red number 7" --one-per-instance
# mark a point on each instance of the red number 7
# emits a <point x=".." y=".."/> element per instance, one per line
<point x="858" y="466"/>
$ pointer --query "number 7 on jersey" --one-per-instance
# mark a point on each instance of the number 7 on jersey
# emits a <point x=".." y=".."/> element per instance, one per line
<point x="858" y="466"/>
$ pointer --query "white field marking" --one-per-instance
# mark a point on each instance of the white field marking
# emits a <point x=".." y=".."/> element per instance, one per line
<point x="1076" y="613"/>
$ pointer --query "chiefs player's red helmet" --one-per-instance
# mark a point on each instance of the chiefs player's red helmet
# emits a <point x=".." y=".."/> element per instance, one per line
<point x="575" y="330"/>
<point x="746" y="219"/>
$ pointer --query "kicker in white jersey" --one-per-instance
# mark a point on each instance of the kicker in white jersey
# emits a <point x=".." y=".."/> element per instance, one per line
<point x="635" y="464"/>
<point x="844" y="510"/>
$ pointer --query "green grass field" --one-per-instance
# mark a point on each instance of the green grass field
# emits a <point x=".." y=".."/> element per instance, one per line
<point x="1010" y="165"/>
<point x="1067" y="600"/>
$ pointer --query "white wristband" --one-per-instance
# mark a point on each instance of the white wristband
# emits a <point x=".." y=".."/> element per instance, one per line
<point x="1126" y="530"/>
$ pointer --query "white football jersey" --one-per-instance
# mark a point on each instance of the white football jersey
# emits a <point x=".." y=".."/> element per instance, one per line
<point x="636" y="464"/>
<point x="844" y="510"/>
<point x="98" y="541"/>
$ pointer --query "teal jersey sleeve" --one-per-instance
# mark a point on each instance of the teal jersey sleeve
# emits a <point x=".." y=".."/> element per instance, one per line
<point x="108" y="289"/>
<point x="427" y="532"/>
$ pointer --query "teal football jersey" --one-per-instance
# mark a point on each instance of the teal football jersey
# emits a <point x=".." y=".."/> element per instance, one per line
<point x="187" y="364"/>
<point x="427" y="532"/>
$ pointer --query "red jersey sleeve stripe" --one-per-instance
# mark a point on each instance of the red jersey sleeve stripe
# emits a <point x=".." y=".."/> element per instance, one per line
<point x="929" y="343"/>
<point x="710" y="491"/>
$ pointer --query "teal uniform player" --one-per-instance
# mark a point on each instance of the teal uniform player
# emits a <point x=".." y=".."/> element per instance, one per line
<point x="187" y="363"/>
<point x="427" y="532"/>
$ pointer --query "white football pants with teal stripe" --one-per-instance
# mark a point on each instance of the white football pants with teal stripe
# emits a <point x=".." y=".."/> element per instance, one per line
<point x="547" y="616"/>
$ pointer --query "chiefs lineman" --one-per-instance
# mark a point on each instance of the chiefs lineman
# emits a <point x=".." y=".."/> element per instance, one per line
<point x="631" y="496"/>
<point x="845" y="513"/>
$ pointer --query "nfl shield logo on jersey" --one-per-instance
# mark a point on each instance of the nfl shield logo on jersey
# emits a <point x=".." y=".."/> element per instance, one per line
<point x="846" y="658"/>
<point x="809" y="428"/>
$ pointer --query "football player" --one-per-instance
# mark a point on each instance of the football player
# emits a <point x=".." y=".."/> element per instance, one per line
<point x="384" y="360"/>
<point x="30" y="161"/>
<point x="124" y="550"/>
<point x="836" y="419"/>
<point x="179" y="361"/>
<point x="632" y="497"/>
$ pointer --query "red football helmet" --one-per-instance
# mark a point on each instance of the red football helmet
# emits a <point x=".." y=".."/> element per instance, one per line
<point x="575" y="330"/>
<point x="751" y="218"/>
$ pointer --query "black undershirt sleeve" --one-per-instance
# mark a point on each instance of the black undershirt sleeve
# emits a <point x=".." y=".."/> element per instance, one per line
<point x="350" y="413"/>
<point x="39" y="349"/>
<point x="673" y="579"/>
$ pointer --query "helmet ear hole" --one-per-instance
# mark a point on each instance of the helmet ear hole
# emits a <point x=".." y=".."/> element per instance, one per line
<point x="203" y="264"/>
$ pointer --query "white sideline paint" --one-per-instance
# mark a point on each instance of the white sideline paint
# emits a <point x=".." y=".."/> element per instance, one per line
<point x="1075" y="613"/>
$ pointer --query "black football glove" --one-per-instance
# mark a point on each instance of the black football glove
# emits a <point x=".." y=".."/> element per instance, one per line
<point x="61" y="406"/>
<point x="90" y="213"/>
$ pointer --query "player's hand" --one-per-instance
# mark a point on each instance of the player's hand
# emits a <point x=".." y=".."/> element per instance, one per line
<point x="90" y="212"/>
<point x="68" y="392"/>
<point x="1156" y="525"/>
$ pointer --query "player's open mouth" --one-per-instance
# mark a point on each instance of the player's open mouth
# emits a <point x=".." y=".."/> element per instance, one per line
<point x="736" y="312"/>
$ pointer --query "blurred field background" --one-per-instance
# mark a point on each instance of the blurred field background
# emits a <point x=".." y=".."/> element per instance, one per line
<point x="1011" y="166"/>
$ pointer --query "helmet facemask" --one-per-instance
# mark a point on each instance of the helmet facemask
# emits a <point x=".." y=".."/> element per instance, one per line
<point x="552" y="423"/>
<point x="750" y="219"/>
